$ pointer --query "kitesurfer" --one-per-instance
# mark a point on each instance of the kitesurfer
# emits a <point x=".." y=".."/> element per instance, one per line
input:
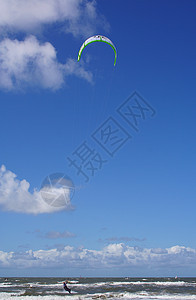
<point x="66" y="287"/>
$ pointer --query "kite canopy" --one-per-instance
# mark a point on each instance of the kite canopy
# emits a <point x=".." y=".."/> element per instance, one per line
<point x="97" y="38"/>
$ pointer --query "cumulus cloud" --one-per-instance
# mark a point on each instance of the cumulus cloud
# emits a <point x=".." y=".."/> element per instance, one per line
<point x="15" y="196"/>
<point x="31" y="63"/>
<point x="113" y="255"/>
<point x="79" y="17"/>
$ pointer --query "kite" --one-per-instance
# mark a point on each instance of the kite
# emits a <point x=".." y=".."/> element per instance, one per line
<point x="97" y="38"/>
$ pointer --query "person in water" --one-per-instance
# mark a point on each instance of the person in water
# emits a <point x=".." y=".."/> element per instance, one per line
<point x="66" y="287"/>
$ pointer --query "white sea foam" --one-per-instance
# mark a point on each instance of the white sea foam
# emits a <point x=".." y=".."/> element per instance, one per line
<point x="127" y="283"/>
<point x="4" y="284"/>
<point x="114" y="296"/>
<point x="6" y="296"/>
<point x="164" y="283"/>
<point x="147" y="296"/>
<point x="111" y="289"/>
<point x="74" y="283"/>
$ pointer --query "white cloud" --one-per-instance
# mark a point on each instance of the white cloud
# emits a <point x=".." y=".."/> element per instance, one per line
<point x="5" y="258"/>
<point x="87" y="21"/>
<point x="30" y="63"/>
<point x="15" y="196"/>
<point x="114" y="255"/>
<point x="73" y="68"/>
<point x="78" y="16"/>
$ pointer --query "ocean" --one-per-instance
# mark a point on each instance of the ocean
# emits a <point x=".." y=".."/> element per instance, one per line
<point x="98" y="288"/>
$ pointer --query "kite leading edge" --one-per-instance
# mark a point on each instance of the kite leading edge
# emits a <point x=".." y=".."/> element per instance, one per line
<point x="97" y="38"/>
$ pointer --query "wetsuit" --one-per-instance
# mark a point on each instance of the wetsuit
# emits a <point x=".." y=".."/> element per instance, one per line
<point x="66" y="288"/>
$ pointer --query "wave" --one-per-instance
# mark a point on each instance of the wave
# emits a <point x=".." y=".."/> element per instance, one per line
<point x="164" y="283"/>
<point x="99" y="288"/>
<point x="91" y="286"/>
<point x="129" y="283"/>
<point x="114" y="296"/>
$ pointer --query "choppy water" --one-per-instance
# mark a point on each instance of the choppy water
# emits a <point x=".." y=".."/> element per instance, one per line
<point x="98" y="288"/>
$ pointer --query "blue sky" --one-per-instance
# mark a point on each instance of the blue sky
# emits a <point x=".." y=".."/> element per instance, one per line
<point x="136" y="215"/>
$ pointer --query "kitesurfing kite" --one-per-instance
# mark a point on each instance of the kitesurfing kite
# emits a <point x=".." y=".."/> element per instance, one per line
<point x="97" y="38"/>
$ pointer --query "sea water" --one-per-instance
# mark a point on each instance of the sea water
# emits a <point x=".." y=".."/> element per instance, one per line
<point x="98" y="288"/>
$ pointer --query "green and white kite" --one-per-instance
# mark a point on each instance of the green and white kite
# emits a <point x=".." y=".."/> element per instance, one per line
<point x="97" y="38"/>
